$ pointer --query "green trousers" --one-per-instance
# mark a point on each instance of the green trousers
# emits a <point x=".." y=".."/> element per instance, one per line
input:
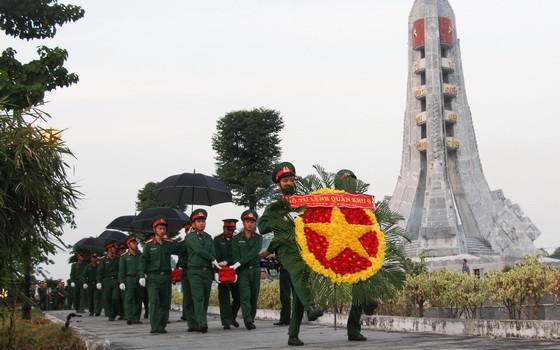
<point x="159" y="292"/>
<point x="111" y="296"/>
<point x="133" y="296"/>
<point x="188" y="305"/>
<point x="354" y="325"/>
<point x="94" y="299"/>
<point x="249" y="280"/>
<point x="228" y="296"/>
<point x="200" y="282"/>
<point x="286" y="292"/>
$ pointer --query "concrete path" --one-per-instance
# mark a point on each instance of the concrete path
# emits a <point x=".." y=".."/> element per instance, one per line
<point x="267" y="336"/>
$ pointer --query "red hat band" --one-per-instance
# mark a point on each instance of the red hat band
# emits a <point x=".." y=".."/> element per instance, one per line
<point x="284" y="172"/>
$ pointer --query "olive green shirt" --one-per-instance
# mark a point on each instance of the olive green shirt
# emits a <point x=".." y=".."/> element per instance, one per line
<point x="222" y="247"/>
<point x="246" y="249"/>
<point x="108" y="268"/>
<point x="77" y="272"/>
<point x="128" y="265"/>
<point x="90" y="274"/>
<point x="200" y="249"/>
<point x="156" y="257"/>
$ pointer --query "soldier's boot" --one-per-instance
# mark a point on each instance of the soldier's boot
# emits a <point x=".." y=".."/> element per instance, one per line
<point x="294" y="341"/>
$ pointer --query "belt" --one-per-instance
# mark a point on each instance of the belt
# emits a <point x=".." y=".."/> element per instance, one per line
<point x="160" y="273"/>
<point x="203" y="268"/>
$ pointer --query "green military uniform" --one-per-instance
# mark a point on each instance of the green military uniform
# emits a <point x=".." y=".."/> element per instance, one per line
<point x="133" y="293"/>
<point x="58" y="297"/>
<point x="107" y="275"/>
<point x="93" y="294"/>
<point x="246" y="249"/>
<point x="155" y="263"/>
<point x="289" y="257"/>
<point x="182" y="262"/>
<point x="200" y="250"/>
<point x="76" y="275"/>
<point x="228" y="293"/>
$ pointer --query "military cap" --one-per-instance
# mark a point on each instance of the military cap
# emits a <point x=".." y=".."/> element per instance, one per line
<point x="230" y="224"/>
<point x="80" y="253"/>
<point x="159" y="222"/>
<point x="345" y="180"/>
<point x="94" y="255"/>
<point x="187" y="226"/>
<point x="344" y="173"/>
<point x="121" y="247"/>
<point x="130" y="239"/>
<point x="199" y="214"/>
<point x="282" y="170"/>
<point x="249" y="215"/>
<point x="110" y="244"/>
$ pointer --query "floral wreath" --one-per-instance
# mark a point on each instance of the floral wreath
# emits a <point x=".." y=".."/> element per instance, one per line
<point x="345" y="245"/>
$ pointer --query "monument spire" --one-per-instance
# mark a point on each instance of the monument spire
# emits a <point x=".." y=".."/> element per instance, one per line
<point x="448" y="206"/>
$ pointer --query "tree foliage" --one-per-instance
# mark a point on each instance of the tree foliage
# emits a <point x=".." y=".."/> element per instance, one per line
<point x="146" y="199"/>
<point x="247" y="146"/>
<point x="24" y="84"/>
<point x="555" y="254"/>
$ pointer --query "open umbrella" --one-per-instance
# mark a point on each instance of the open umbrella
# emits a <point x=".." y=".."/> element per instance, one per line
<point x="174" y="217"/>
<point x="122" y="223"/>
<point x="89" y="244"/>
<point x="112" y="236"/>
<point x="189" y="188"/>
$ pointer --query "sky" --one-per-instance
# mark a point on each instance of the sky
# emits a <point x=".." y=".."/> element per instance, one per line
<point x="155" y="78"/>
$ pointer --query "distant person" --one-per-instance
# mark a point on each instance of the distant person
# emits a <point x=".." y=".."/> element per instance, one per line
<point x="90" y="280"/>
<point x="76" y="282"/>
<point x="107" y="282"/>
<point x="129" y="282"/>
<point x="465" y="268"/>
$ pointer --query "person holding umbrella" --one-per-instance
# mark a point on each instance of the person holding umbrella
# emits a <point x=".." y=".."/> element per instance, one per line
<point x="200" y="249"/>
<point x="76" y="275"/>
<point x="128" y="281"/>
<point x="155" y="263"/>
<point x="246" y="247"/>
<point x="93" y="294"/>
<point x="227" y="291"/>
<point x="107" y="282"/>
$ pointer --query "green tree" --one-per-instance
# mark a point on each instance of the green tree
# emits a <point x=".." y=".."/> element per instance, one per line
<point x="146" y="199"/>
<point x="24" y="84"/>
<point x="247" y="144"/>
<point x="555" y="254"/>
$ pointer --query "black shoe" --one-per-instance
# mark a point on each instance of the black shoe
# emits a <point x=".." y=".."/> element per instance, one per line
<point x="357" y="337"/>
<point x="97" y="313"/>
<point x="112" y="319"/>
<point x="314" y="313"/>
<point x="250" y="325"/>
<point x="128" y="321"/>
<point x="369" y="308"/>
<point x="183" y="318"/>
<point x="281" y="323"/>
<point x="146" y="315"/>
<point x="192" y="329"/>
<point x="202" y="329"/>
<point x="162" y="331"/>
<point x="154" y="331"/>
<point x="294" y="341"/>
<point x="91" y="313"/>
<point x="235" y="324"/>
<point x="227" y="327"/>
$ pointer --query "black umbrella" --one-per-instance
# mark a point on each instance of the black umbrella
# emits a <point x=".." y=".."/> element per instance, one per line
<point x="112" y="236"/>
<point x="175" y="218"/>
<point x="122" y="223"/>
<point x="89" y="244"/>
<point x="188" y="188"/>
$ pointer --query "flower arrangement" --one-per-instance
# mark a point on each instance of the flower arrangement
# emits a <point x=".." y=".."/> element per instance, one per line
<point x="345" y="245"/>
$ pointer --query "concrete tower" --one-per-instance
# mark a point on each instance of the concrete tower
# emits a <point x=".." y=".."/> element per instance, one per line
<point x="448" y="206"/>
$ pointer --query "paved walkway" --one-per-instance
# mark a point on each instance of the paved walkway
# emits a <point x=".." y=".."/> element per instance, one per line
<point x="268" y="336"/>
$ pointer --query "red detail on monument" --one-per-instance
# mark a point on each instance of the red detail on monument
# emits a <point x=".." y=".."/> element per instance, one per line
<point x="445" y="31"/>
<point x="417" y="34"/>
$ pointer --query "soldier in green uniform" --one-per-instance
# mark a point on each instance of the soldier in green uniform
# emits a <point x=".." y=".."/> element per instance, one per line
<point x="185" y="286"/>
<point x="246" y="247"/>
<point x="155" y="263"/>
<point x="284" y="176"/>
<point x="228" y="293"/>
<point x="76" y="282"/>
<point x="128" y="281"/>
<point x="90" y="278"/>
<point x="201" y="258"/>
<point x="58" y="296"/>
<point x="107" y="281"/>
<point x="346" y="180"/>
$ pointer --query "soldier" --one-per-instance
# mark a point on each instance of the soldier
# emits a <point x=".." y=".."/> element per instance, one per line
<point x="200" y="250"/>
<point x="59" y="295"/>
<point x="246" y="247"/>
<point x="107" y="281"/>
<point x="76" y="274"/>
<point x="128" y="282"/>
<point x="284" y="176"/>
<point x="228" y="293"/>
<point x="185" y="287"/>
<point x="155" y="263"/>
<point x="90" y="279"/>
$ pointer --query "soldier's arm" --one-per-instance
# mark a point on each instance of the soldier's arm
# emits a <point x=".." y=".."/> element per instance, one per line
<point x="217" y="250"/>
<point x="254" y="252"/>
<point x="144" y="260"/>
<point x="235" y="251"/>
<point x="196" y="246"/>
<point x="100" y="272"/>
<point x="122" y="270"/>
<point x="263" y="222"/>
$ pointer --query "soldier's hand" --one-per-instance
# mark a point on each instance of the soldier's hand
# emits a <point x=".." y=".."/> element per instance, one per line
<point x="293" y="215"/>
<point x="235" y="266"/>
<point x="223" y="263"/>
<point x="235" y="280"/>
<point x="98" y="285"/>
<point x="85" y="286"/>
<point x="142" y="282"/>
<point x="217" y="277"/>
<point x="72" y="284"/>
<point x="122" y="286"/>
<point x="216" y="265"/>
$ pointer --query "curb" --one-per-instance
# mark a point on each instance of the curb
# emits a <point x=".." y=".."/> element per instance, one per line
<point x="92" y="341"/>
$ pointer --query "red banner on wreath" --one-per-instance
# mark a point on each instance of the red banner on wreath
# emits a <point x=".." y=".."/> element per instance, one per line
<point x="341" y="200"/>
